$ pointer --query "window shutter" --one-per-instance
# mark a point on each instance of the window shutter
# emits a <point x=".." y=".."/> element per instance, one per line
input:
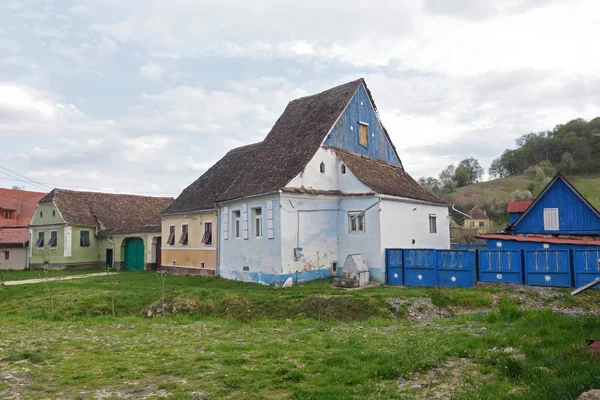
<point x="270" y="230"/>
<point x="551" y="221"/>
<point x="225" y="215"/>
<point x="244" y="221"/>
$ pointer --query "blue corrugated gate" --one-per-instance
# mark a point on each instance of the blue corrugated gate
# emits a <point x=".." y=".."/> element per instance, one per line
<point x="430" y="267"/>
<point x="500" y="266"/>
<point x="394" y="261"/>
<point x="548" y="268"/>
<point x="419" y="267"/>
<point x="586" y="266"/>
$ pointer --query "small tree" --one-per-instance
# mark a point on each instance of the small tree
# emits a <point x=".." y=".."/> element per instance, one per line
<point x="521" y="195"/>
<point x="114" y="282"/>
<point x="566" y="164"/>
<point x="45" y="278"/>
<point x="162" y="278"/>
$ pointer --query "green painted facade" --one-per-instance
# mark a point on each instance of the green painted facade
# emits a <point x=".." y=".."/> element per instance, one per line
<point x="47" y="219"/>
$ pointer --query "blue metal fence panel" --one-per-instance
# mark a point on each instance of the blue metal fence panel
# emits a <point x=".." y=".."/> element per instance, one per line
<point x="419" y="267"/>
<point x="456" y="268"/>
<point x="586" y="266"/>
<point x="394" y="265"/>
<point x="500" y="266"/>
<point x="548" y="268"/>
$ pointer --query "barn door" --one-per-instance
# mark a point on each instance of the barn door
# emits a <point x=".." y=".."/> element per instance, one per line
<point x="134" y="254"/>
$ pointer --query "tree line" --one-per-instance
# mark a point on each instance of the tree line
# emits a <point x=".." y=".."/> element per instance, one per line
<point x="467" y="172"/>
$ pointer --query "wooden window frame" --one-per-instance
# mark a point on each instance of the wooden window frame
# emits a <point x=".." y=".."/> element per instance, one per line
<point x="39" y="243"/>
<point x="432" y="223"/>
<point x="184" y="238"/>
<point x="257" y="225"/>
<point x="84" y="240"/>
<point x="171" y="238"/>
<point x="53" y="242"/>
<point x="358" y="218"/>
<point x="207" y="236"/>
<point x="366" y="127"/>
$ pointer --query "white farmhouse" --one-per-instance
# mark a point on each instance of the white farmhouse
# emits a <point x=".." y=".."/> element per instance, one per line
<point x="326" y="182"/>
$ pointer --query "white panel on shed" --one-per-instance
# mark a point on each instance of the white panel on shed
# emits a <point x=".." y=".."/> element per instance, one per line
<point x="551" y="222"/>
<point x="68" y="241"/>
<point x="225" y="223"/>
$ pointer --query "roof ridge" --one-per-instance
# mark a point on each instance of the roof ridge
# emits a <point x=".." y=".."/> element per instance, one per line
<point x="327" y="90"/>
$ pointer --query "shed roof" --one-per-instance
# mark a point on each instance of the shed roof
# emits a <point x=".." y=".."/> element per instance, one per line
<point x="22" y="202"/>
<point x="544" y="239"/>
<point x="476" y="213"/>
<point x="519" y="206"/>
<point x="111" y="213"/>
<point x="14" y="236"/>
<point x="386" y="179"/>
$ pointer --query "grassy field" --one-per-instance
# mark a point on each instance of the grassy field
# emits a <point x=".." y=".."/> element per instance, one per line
<point x="244" y="341"/>
<point x="499" y="190"/>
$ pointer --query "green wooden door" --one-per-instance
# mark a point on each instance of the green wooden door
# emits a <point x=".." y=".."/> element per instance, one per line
<point x="134" y="254"/>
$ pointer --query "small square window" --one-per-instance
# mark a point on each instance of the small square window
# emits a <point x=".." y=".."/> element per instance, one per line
<point x="432" y="224"/>
<point x="84" y="238"/>
<point x="183" y="240"/>
<point x="363" y="134"/>
<point x="201" y="265"/>
<point x="481" y="224"/>
<point x="356" y="221"/>
<point x="171" y="239"/>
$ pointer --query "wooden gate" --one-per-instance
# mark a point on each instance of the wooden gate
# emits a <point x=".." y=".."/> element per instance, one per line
<point x="134" y="254"/>
<point x="500" y="266"/>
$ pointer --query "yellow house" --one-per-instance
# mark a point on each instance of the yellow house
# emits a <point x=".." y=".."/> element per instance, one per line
<point x="477" y="220"/>
<point x="189" y="224"/>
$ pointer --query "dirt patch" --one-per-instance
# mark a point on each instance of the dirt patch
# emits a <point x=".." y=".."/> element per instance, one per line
<point x="590" y="395"/>
<point x="171" y="306"/>
<point x="441" y="382"/>
<point x="418" y="309"/>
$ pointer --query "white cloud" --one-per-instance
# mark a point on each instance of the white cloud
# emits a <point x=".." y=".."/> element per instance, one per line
<point x="152" y="70"/>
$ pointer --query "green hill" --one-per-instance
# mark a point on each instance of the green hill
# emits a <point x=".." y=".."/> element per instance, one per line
<point x="499" y="190"/>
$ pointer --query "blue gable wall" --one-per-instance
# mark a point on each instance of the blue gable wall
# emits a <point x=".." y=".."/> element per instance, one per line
<point x="345" y="132"/>
<point x="513" y="217"/>
<point x="575" y="216"/>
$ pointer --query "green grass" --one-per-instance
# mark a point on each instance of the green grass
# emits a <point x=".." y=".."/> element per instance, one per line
<point x="499" y="190"/>
<point x="245" y="341"/>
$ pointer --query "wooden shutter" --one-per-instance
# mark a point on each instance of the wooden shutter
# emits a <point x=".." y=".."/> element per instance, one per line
<point x="244" y="221"/>
<point x="225" y="215"/>
<point x="363" y="133"/>
<point x="551" y="222"/>
<point x="270" y="230"/>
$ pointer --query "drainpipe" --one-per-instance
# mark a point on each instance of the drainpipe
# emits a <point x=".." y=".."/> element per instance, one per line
<point x="217" y="241"/>
<point x="460" y="212"/>
<point x="113" y="255"/>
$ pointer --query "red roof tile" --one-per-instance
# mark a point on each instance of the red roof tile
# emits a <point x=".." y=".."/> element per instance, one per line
<point x="22" y="202"/>
<point x="519" y="206"/>
<point x="476" y="213"/>
<point x="13" y="236"/>
<point x="543" y="239"/>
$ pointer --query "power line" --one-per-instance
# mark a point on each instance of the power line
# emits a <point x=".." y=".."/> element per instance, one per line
<point x="14" y="178"/>
<point x="56" y="185"/>
<point x="22" y="176"/>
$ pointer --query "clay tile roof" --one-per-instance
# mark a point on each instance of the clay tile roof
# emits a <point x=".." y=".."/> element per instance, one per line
<point x="111" y="213"/>
<point x="14" y="236"/>
<point x="206" y="190"/>
<point x="476" y="213"/>
<point x="23" y="204"/>
<point x="519" y="206"/>
<point x="386" y="179"/>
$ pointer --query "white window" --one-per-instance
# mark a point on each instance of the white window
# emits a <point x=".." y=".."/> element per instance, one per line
<point x="551" y="222"/>
<point x="356" y="221"/>
<point x="207" y="237"/>
<point x="257" y="228"/>
<point x="236" y="223"/>
<point x="171" y="238"/>
<point x="432" y="223"/>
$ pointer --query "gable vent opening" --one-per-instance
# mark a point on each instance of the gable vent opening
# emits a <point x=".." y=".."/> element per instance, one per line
<point x="343" y="169"/>
<point x="322" y="167"/>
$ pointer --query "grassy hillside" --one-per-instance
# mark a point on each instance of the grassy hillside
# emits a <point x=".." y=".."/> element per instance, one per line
<point x="499" y="190"/>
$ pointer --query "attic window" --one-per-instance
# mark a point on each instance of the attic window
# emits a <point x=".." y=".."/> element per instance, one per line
<point x="184" y="235"/>
<point x="171" y="239"/>
<point x="9" y="214"/>
<point x="84" y="238"/>
<point x="343" y="168"/>
<point x="53" y="213"/>
<point x="41" y="214"/>
<point x="322" y="168"/>
<point x="363" y="134"/>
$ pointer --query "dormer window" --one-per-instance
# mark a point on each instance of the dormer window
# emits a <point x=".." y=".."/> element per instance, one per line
<point x="9" y="214"/>
<point x="363" y="134"/>
<point x="322" y="168"/>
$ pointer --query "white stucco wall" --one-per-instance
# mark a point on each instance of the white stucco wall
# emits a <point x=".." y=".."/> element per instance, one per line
<point x="17" y="258"/>
<point x="261" y="256"/>
<point x="332" y="179"/>
<point x="310" y="223"/>
<point x="405" y="221"/>
<point x="367" y="243"/>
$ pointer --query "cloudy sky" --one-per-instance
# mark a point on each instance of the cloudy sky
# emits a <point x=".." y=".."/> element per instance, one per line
<point x="142" y="96"/>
